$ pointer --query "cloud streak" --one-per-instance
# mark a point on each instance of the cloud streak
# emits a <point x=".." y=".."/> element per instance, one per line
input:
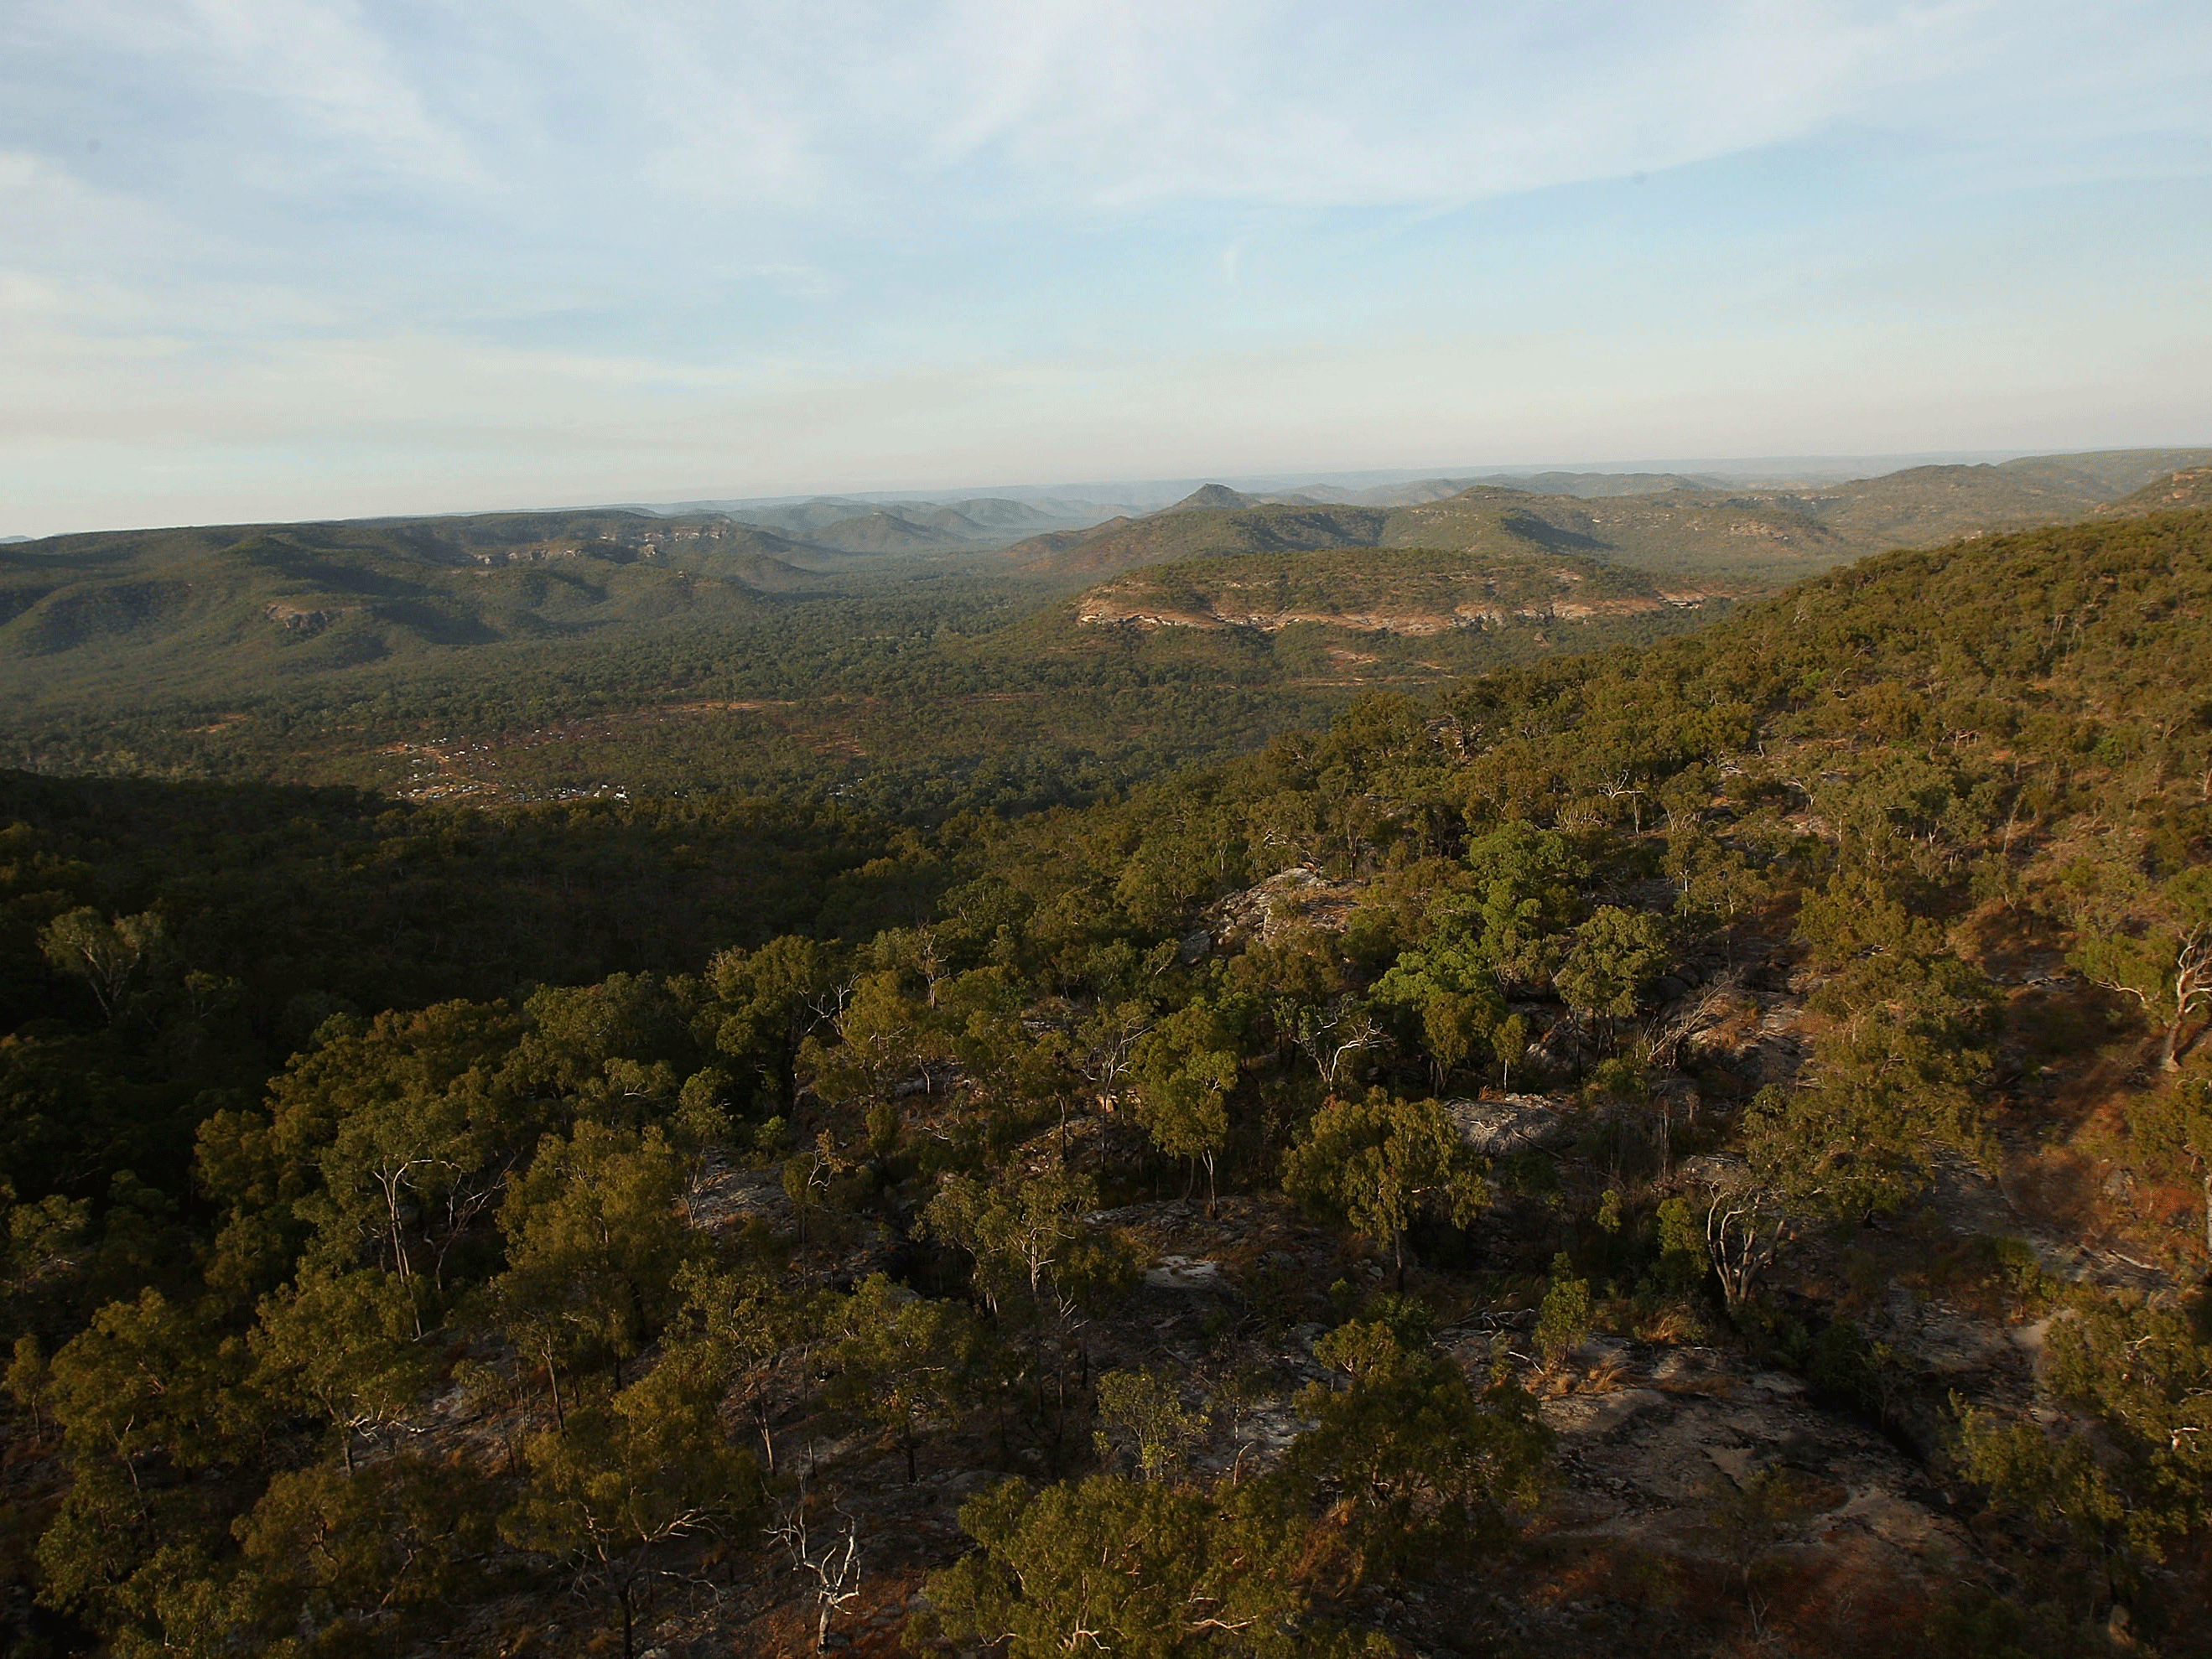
<point x="1079" y="103"/>
<point x="306" y="209"/>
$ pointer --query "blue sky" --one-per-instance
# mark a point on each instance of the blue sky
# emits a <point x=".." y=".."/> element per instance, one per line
<point x="280" y="258"/>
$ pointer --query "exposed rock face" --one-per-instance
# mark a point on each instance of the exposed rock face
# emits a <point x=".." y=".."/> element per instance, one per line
<point x="1511" y="1124"/>
<point x="1136" y="607"/>
<point x="1184" y="1273"/>
<point x="1292" y="897"/>
<point x="295" y="619"/>
<point x="1650" y="1459"/>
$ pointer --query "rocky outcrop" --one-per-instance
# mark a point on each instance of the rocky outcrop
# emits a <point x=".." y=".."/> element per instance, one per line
<point x="1138" y="608"/>
<point x="1511" y="1124"/>
<point x="1298" y="897"/>
<point x="299" y="620"/>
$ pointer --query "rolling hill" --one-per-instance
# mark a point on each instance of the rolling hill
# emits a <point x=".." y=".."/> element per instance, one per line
<point x="848" y="524"/>
<point x="1925" y="504"/>
<point x="2191" y="486"/>
<point x="1673" y="525"/>
<point x="887" y="533"/>
<point x="220" y="605"/>
<point x="1668" y="533"/>
<point x="1120" y="544"/>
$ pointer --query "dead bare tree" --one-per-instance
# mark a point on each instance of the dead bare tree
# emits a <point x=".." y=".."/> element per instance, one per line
<point x="835" y="1566"/>
<point x="1331" y="1042"/>
<point x="1744" y="1228"/>
<point x="1622" y="784"/>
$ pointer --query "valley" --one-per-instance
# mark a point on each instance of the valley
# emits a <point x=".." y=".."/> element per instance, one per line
<point x="822" y="647"/>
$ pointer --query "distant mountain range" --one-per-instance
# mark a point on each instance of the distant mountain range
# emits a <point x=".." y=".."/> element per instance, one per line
<point x="1673" y="532"/>
<point x="850" y="525"/>
<point x="1817" y="521"/>
<point x="1669" y="523"/>
<point x="897" y="645"/>
<point x="146" y="609"/>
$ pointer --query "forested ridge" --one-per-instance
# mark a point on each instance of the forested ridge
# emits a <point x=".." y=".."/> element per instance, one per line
<point x="897" y="660"/>
<point x="1699" y="1145"/>
<point x="352" y="655"/>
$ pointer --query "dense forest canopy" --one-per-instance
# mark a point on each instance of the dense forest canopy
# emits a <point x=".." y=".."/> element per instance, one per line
<point x="1298" y="1204"/>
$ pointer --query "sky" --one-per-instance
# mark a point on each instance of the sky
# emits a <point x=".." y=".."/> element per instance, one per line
<point x="267" y="259"/>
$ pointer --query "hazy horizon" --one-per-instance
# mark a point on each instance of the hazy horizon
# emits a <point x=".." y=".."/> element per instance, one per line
<point x="1151" y="494"/>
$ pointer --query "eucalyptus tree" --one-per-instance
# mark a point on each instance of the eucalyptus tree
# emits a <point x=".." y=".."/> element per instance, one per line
<point x="1381" y="1163"/>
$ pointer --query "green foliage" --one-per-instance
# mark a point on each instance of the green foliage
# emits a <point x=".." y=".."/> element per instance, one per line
<point x="30" y="1380"/>
<point x="1185" y="1068"/>
<point x="1562" y="1319"/>
<point x="1845" y="1366"/>
<point x="1136" y="1567"/>
<point x="900" y="1357"/>
<point x="344" y="1348"/>
<point x="746" y="1314"/>
<point x="2150" y="941"/>
<point x="1683" y="1263"/>
<point x="41" y="1236"/>
<point x="144" y="1378"/>
<point x="238" y="1277"/>
<point x="109" y="956"/>
<point x="1716" y="882"/>
<point x="625" y="1477"/>
<point x="2174" y="1127"/>
<point x="341" y="1562"/>
<point x="1893" y="1079"/>
<point x="409" y="1123"/>
<point x="1421" y="1465"/>
<point x="1029" y="1238"/>
<point x="1146" y="1405"/>
<point x="596" y="1240"/>
<point x="2143" y="1378"/>
<point x="1615" y="953"/>
<point x="1452" y="984"/>
<point x="1381" y="1163"/>
<point x="1527" y="883"/>
<point x="1403" y="1464"/>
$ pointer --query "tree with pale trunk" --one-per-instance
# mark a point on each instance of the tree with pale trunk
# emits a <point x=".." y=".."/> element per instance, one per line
<point x="108" y="956"/>
<point x="900" y="1358"/>
<point x="2148" y="941"/>
<point x="342" y="1347"/>
<point x="1185" y="1070"/>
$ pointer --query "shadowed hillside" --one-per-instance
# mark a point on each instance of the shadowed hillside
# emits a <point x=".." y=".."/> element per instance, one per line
<point x="207" y="606"/>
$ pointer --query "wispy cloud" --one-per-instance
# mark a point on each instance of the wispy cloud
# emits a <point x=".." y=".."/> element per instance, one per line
<point x="817" y="108"/>
<point x="306" y="208"/>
